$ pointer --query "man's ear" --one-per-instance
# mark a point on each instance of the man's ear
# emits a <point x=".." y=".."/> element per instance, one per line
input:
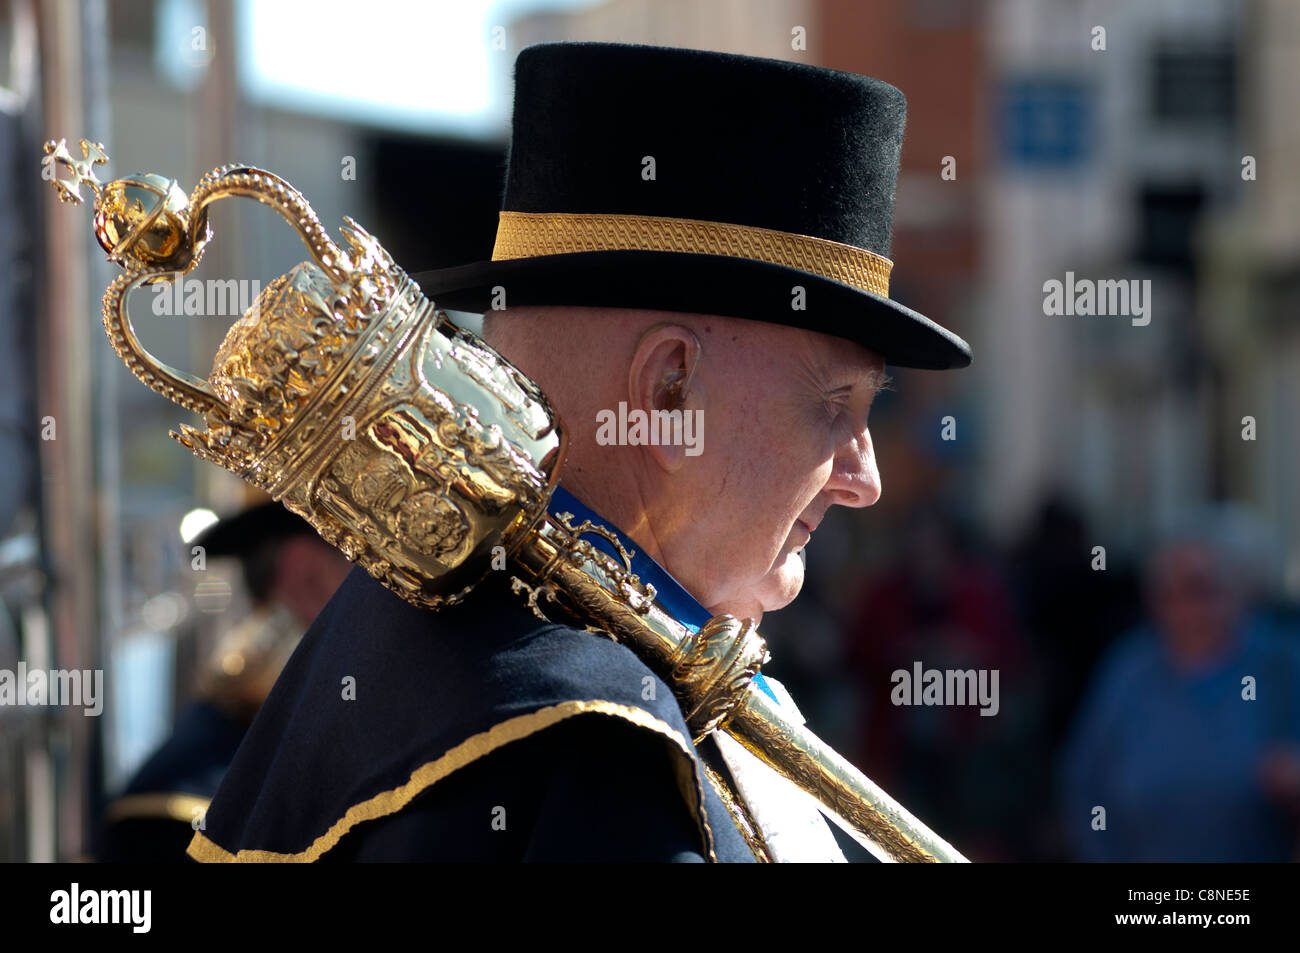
<point x="662" y="378"/>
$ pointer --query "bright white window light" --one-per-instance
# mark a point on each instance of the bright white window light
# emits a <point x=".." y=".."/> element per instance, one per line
<point x="195" y="522"/>
<point x="387" y="62"/>
<point x="419" y="64"/>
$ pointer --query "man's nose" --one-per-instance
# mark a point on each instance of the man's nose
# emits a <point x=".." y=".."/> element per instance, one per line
<point x="855" y="479"/>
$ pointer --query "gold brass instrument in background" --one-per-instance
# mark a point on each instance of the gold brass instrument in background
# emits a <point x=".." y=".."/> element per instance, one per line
<point x="421" y="453"/>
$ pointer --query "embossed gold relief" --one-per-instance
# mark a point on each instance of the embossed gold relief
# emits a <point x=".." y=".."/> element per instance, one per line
<point x="407" y="443"/>
<point x="417" y="450"/>
<point x="713" y="668"/>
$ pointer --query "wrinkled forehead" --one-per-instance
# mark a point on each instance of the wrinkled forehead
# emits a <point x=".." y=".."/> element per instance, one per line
<point x="837" y="361"/>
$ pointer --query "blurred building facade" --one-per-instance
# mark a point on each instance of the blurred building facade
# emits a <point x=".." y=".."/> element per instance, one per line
<point x="1109" y="160"/>
<point x="1251" y="297"/>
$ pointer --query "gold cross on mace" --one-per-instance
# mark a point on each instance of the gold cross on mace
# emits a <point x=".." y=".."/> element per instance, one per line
<point x="82" y="169"/>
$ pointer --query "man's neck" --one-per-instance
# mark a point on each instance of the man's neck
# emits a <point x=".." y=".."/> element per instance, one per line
<point x="620" y="504"/>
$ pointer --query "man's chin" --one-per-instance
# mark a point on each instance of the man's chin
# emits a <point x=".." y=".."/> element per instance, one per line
<point x="789" y="582"/>
<point x="774" y="591"/>
<point x="782" y="585"/>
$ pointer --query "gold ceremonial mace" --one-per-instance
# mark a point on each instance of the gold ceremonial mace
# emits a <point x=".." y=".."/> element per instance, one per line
<point x="423" y="454"/>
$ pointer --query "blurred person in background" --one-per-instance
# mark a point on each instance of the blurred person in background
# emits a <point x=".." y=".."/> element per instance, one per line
<point x="289" y="573"/>
<point x="1071" y="611"/>
<point x="1187" y="745"/>
<point x="948" y="608"/>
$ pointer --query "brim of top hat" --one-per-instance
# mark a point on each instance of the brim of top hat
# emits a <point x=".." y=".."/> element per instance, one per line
<point x="242" y="532"/>
<point x="702" y="284"/>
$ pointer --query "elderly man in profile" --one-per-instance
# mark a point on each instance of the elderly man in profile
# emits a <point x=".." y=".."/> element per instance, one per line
<point x="787" y="438"/>
<point x="682" y="232"/>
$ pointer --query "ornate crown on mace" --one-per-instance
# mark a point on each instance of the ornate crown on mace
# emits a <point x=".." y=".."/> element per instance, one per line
<point x="408" y="443"/>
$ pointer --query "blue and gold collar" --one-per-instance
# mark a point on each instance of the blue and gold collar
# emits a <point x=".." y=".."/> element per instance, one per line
<point x="671" y="594"/>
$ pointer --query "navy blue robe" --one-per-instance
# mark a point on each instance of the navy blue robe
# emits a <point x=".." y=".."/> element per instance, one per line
<point x="151" y="821"/>
<point x="475" y="733"/>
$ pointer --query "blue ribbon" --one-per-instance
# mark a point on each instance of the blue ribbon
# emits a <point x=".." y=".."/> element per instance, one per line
<point x="669" y="593"/>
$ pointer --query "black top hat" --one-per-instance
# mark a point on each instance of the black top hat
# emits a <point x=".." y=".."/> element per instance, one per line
<point x="242" y="533"/>
<point x="252" y="536"/>
<point x="684" y="180"/>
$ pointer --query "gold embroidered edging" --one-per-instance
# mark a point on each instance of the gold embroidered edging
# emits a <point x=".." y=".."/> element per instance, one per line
<point x="538" y="234"/>
<point x="744" y="823"/>
<point x="178" y="807"/>
<point x="471" y="749"/>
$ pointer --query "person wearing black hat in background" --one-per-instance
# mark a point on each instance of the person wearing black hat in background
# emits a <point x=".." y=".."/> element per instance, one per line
<point x="681" y="231"/>
<point x="289" y="573"/>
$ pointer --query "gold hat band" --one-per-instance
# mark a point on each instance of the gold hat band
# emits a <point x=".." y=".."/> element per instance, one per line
<point x="536" y="234"/>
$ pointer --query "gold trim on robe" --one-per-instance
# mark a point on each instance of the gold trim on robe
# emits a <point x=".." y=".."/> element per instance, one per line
<point x="168" y="804"/>
<point x="468" y="751"/>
